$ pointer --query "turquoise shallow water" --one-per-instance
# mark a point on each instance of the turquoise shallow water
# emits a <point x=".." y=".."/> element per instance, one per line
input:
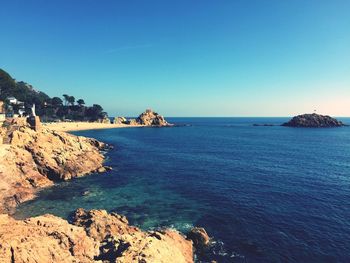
<point x="266" y="194"/>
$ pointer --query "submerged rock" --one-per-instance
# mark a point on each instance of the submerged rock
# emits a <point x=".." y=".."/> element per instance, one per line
<point x="313" y="121"/>
<point x="85" y="193"/>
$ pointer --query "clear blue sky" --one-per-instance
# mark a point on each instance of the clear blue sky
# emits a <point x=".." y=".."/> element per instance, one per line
<point x="184" y="58"/>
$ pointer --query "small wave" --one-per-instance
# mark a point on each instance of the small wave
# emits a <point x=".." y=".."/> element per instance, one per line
<point x="181" y="227"/>
<point x="217" y="251"/>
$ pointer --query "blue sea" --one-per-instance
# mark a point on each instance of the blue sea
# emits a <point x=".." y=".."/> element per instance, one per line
<point x="265" y="194"/>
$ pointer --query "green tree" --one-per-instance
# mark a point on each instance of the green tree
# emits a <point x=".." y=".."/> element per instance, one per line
<point x="81" y="102"/>
<point x="62" y="112"/>
<point x="56" y="102"/>
<point x="71" y="100"/>
<point x="95" y="112"/>
<point x="7" y="85"/>
<point x="66" y="99"/>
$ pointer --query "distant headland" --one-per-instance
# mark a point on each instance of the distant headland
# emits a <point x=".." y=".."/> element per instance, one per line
<point x="18" y="97"/>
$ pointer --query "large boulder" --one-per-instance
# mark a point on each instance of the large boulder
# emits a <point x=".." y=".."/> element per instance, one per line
<point x="313" y="121"/>
<point x="119" y="120"/>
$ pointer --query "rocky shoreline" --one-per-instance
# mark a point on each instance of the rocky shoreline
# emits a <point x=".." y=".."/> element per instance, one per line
<point x="93" y="236"/>
<point x="34" y="159"/>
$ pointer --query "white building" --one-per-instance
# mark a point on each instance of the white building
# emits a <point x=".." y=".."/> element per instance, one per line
<point x="12" y="100"/>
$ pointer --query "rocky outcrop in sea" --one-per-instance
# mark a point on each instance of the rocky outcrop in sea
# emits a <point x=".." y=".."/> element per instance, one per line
<point x="313" y="121"/>
<point x="151" y="118"/>
<point x="147" y="118"/>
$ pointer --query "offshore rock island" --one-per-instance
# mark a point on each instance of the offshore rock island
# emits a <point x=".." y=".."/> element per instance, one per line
<point x="147" y="118"/>
<point x="313" y="121"/>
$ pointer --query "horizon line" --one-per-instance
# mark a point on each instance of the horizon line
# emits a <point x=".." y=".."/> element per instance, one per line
<point x="236" y="116"/>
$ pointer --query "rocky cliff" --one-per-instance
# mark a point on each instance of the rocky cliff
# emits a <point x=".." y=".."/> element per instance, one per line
<point x="94" y="236"/>
<point x="313" y="121"/>
<point x="31" y="160"/>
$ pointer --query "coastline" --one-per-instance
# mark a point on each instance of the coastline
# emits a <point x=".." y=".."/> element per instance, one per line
<point x="145" y="119"/>
<point x="33" y="160"/>
<point x="82" y="126"/>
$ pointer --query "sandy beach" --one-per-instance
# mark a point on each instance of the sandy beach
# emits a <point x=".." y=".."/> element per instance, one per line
<point x="78" y="126"/>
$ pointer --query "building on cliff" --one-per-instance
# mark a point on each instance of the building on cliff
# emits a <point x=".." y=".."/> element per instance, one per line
<point x="15" y="108"/>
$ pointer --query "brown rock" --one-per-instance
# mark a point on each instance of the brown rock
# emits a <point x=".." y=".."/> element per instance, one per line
<point x="133" y="122"/>
<point x="151" y="118"/>
<point x="105" y="120"/>
<point x="34" y="122"/>
<point x="119" y="120"/>
<point x="31" y="160"/>
<point x="108" y="168"/>
<point x="101" y="169"/>
<point x="95" y="236"/>
<point x="313" y="121"/>
<point x="199" y="237"/>
<point x="44" y="239"/>
<point x="120" y="242"/>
